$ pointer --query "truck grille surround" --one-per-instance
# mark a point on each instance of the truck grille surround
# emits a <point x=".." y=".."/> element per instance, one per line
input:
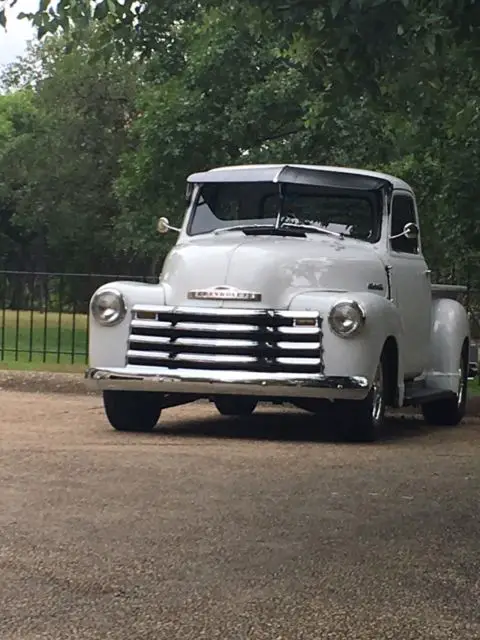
<point x="224" y="339"/>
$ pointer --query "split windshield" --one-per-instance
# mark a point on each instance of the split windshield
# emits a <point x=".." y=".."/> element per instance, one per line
<point x="223" y="205"/>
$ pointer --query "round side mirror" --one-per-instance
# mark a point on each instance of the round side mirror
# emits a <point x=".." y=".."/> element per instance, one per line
<point x="410" y="231"/>
<point x="163" y="225"/>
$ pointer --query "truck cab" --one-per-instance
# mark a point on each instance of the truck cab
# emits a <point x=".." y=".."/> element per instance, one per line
<point x="288" y="283"/>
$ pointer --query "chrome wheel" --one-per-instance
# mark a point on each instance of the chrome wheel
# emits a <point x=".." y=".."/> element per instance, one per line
<point x="362" y="420"/>
<point x="378" y="395"/>
<point x="462" y="384"/>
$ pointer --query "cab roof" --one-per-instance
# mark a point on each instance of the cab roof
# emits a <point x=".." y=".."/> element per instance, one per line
<point x="312" y="175"/>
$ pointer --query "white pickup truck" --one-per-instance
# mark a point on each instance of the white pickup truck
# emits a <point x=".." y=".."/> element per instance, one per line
<point x="289" y="284"/>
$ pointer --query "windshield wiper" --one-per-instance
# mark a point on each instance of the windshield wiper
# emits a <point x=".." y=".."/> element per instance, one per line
<point x="265" y="229"/>
<point x="285" y="229"/>
<point x="242" y="227"/>
<point x="312" y="227"/>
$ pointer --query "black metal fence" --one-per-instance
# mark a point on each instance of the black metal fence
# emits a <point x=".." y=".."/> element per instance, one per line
<point x="44" y="316"/>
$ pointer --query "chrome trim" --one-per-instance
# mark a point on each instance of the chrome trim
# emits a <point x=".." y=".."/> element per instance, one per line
<point x="151" y="339"/>
<point x="355" y="305"/>
<point x="122" y="313"/>
<point x="259" y="340"/>
<point x="300" y="361"/>
<point x="147" y="355"/>
<point x="206" y="357"/>
<point x="193" y="357"/>
<point x="208" y="383"/>
<point x="294" y="345"/>
<point x="388" y="272"/>
<point x="311" y="315"/>
<point x="224" y="292"/>
<point x="313" y="331"/>
<point x="214" y="342"/>
<point x="155" y="308"/>
<point x="195" y="326"/>
<point x="149" y="324"/>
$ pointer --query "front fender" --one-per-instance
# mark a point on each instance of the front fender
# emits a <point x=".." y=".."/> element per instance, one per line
<point x="360" y="354"/>
<point x="107" y="346"/>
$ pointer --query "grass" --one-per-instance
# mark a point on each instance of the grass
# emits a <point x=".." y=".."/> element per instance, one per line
<point x="39" y="341"/>
<point x="474" y="388"/>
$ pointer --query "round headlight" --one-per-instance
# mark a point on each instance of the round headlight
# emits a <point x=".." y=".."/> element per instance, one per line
<point x="346" y="318"/>
<point x="108" y="307"/>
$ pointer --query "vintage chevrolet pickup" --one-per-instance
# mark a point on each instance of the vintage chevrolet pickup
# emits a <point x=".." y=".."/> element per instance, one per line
<point x="290" y="284"/>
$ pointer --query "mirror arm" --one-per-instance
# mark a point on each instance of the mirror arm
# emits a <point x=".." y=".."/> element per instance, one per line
<point x="404" y="233"/>
<point x="163" y="226"/>
<point x="399" y="235"/>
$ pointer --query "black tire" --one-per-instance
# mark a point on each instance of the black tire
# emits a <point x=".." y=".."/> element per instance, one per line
<point x="448" y="412"/>
<point x="235" y="405"/>
<point x="363" y="420"/>
<point x="132" y="410"/>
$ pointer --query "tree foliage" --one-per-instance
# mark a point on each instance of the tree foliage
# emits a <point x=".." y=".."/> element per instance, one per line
<point x="383" y="84"/>
<point x="61" y="172"/>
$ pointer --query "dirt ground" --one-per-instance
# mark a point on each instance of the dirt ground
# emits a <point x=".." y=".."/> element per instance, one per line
<point x="215" y="528"/>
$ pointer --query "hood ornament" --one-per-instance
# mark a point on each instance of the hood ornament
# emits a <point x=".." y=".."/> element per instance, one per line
<point x="224" y="292"/>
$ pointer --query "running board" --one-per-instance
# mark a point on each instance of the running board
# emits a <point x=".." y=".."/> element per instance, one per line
<point x="416" y="394"/>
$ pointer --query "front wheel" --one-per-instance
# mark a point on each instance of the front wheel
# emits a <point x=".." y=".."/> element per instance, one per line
<point x="448" y="412"/>
<point x="132" y="410"/>
<point x="362" y="420"/>
<point x="235" y="405"/>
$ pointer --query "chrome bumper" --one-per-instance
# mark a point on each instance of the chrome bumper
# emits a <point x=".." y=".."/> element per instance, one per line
<point x="208" y="383"/>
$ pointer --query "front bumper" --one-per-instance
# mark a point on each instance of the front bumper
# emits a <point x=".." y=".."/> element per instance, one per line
<point x="208" y="383"/>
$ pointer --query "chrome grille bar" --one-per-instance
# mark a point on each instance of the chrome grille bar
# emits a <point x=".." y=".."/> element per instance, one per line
<point x="226" y="339"/>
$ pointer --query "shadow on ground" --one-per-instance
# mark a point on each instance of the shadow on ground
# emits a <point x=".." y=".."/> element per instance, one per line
<point x="287" y="427"/>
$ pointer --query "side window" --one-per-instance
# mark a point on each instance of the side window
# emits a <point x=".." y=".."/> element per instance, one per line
<point x="403" y="211"/>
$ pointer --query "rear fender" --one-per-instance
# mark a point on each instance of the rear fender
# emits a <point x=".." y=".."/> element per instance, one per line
<point x="450" y="333"/>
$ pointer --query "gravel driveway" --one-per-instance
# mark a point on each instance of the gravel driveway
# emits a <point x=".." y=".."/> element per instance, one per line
<point x="229" y="529"/>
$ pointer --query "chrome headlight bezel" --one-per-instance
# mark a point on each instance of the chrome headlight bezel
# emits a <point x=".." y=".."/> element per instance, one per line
<point x="119" y="309"/>
<point x="354" y="308"/>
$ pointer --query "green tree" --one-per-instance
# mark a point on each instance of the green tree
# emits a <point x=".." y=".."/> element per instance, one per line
<point x="18" y="121"/>
<point x="386" y="84"/>
<point x="62" y="175"/>
<point x="248" y="94"/>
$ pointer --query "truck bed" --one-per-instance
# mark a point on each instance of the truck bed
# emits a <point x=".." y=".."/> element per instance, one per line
<point x="453" y="291"/>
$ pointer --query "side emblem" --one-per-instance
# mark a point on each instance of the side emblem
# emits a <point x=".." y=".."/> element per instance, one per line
<point x="224" y="292"/>
<point x="375" y="286"/>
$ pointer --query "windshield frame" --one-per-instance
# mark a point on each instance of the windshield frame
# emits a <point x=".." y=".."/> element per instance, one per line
<point x="375" y="197"/>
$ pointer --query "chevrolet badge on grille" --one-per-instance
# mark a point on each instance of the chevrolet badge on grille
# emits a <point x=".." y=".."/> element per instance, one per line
<point x="224" y="292"/>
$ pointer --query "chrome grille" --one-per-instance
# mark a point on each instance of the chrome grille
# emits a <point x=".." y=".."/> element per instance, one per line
<point x="225" y="339"/>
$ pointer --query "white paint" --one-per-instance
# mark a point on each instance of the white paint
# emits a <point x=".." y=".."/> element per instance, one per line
<point x="310" y="274"/>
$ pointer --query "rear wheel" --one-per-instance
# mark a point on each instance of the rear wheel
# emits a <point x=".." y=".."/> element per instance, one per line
<point x="449" y="412"/>
<point x="235" y="405"/>
<point x="362" y="420"/>
<point x="132" y="410"/>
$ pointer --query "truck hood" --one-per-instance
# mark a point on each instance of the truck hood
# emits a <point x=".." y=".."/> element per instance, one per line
<point x="276" y="267"/>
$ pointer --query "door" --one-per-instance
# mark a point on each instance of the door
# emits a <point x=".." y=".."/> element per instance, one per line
<point x="410" y="284"/>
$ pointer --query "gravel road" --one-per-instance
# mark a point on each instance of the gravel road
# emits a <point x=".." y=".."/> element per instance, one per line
<point x="228" y="529"/>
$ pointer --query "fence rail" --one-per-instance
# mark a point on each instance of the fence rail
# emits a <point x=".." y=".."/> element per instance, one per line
<point x="44" y="316"/>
